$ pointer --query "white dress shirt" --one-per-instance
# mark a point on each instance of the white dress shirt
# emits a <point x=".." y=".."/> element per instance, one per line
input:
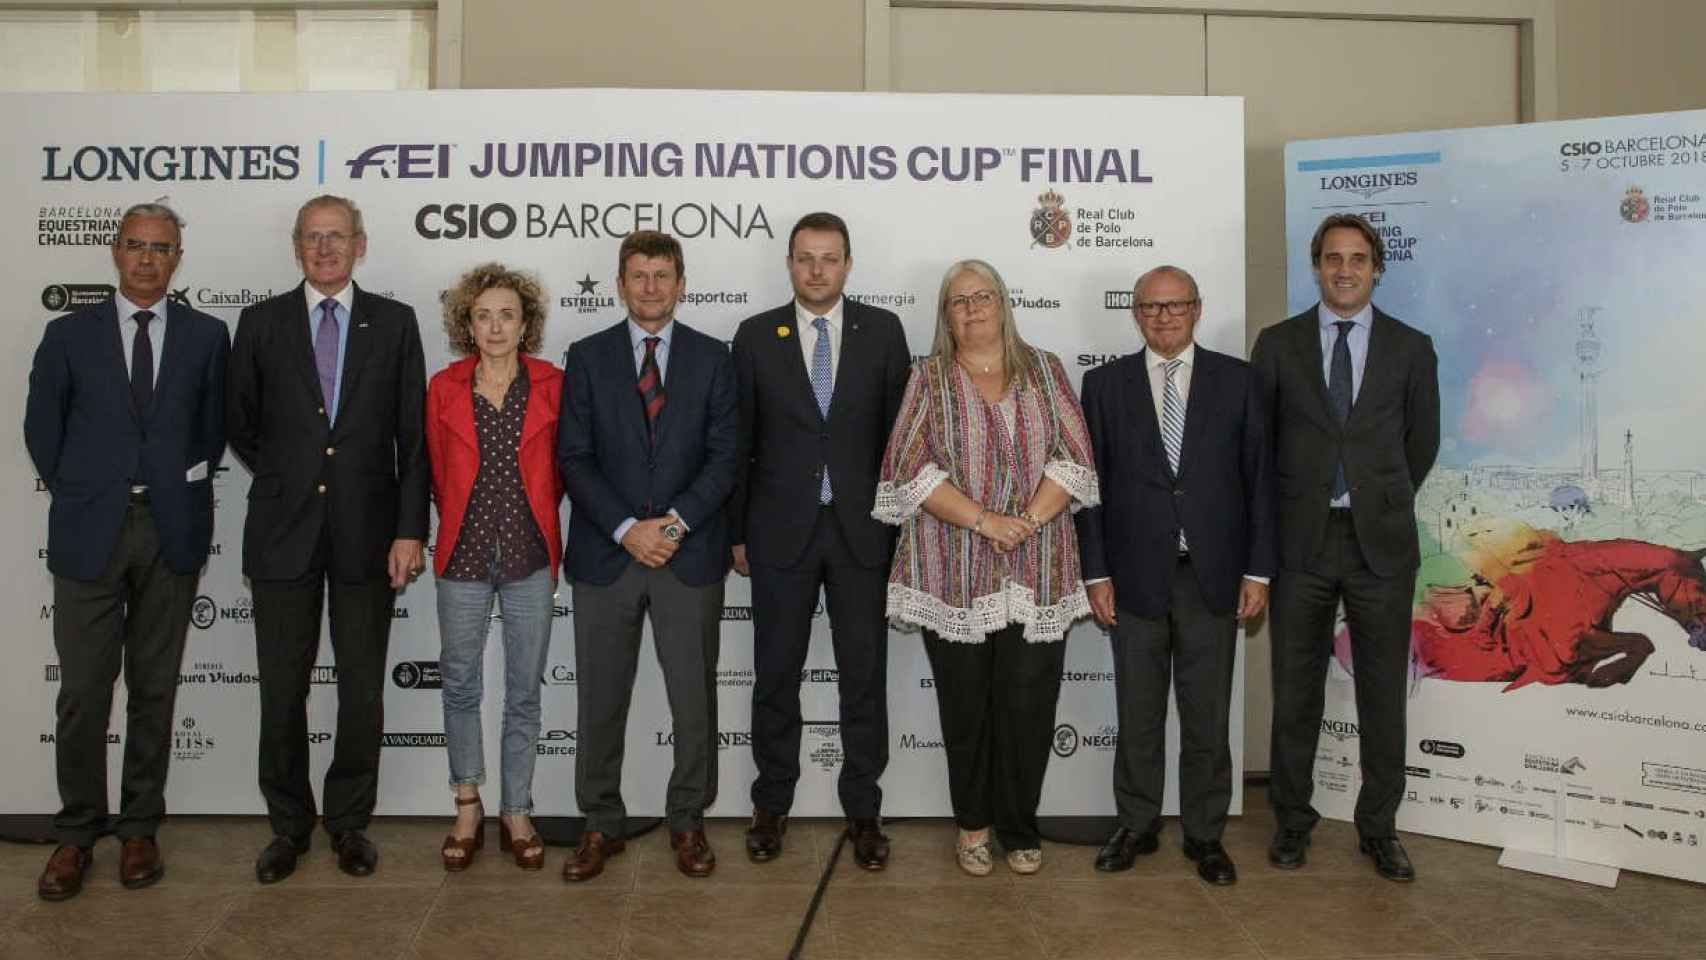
<point x="127" y="330"/>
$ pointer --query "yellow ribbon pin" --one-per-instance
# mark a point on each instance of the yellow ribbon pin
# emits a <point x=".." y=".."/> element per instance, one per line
<point x="783" y="331"/>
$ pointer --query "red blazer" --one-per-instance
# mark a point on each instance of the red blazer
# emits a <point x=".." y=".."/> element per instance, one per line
<point x="455" y="452"/>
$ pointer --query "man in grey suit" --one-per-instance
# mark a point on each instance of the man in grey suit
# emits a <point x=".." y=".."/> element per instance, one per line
<point x="1355" y="401"/>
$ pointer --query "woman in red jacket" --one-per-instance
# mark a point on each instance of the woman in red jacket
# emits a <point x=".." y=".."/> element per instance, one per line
<point x="491" y="427"/>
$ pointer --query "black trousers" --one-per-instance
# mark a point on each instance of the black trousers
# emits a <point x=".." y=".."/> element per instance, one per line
<point x="1192" y="650"/>
<point x="136" y="615"/>
<point x="783" y="601"/>
<point x="997" y="700"/>
<point x="686" y="634"/>
<point x="1378" y="613"/>
<point x="287" y="640"/>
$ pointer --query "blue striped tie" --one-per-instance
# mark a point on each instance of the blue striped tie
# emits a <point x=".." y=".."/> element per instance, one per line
<point x="1173" y="423"/>
<point x="823" y="387"/>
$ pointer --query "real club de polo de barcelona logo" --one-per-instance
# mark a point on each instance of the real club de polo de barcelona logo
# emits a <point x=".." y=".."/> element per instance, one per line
<point x="1634" y="208"/>
<point x="1051" y="226"/>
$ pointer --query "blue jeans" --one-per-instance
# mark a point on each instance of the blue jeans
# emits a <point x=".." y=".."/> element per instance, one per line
<point x="464" y="613"/>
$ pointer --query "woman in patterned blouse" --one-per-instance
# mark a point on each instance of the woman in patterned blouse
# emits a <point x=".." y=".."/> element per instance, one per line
<point x="491" y="432"/>
<point x="988" y="453"/>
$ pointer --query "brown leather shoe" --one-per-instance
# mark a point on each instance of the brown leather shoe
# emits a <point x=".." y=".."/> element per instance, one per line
<point x="62" y="878"/>
<point x="588" y="859"/>
<point x="693" y="855"/>
<point x="870" y="846"/>
<point x="139" y="863"/>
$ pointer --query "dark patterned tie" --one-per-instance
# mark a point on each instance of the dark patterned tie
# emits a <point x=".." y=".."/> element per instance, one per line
<point x="142" y="363"/>
<point x="1339" y="391"/>
<point x="650" y="387"/>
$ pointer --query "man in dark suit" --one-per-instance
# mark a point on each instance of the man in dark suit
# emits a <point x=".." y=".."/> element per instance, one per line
<point x="1180" y="550"/>
<point x="126" y="424"/>
<point x="646" y="445"/>
<point x="821" y="379"/>
<point x="326" y="398"/>
<point x="1355" y="400"/>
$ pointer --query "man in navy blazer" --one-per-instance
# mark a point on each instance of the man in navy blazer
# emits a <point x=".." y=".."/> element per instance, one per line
<point x="1180" y="549"/>
<point x="646" y="444"/>
<point x="126" y="424"/>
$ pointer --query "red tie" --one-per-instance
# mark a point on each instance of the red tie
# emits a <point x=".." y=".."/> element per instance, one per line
<point x="650" y="387"/>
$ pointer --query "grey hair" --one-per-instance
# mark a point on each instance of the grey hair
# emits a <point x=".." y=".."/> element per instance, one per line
<point x="328" y="200"/>
<point x="154" y="211"/>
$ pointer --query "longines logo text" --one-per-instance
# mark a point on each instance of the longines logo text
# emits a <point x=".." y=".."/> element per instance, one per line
<point x="161" y="163"/>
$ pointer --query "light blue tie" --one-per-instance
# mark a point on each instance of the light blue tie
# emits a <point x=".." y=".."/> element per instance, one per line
<point x="1173" y="423"/>
<point x="823" y="387"/>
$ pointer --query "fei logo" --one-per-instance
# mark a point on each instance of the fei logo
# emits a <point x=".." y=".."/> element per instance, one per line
<point x="406" y="161"/>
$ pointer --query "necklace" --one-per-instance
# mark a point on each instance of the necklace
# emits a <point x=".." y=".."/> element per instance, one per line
<point x="985" y="368"/>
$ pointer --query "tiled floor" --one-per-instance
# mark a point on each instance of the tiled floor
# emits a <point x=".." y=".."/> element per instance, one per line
<point x="1464" y="905"/>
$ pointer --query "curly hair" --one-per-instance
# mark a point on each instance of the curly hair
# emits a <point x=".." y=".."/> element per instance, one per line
<point x="459" y="306"/>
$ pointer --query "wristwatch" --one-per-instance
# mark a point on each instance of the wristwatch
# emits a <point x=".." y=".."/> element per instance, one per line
<point x="672" y="531"/>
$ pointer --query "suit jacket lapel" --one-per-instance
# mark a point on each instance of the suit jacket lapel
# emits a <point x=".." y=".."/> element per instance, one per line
<point x="630" y="411"/>
<point x="1377" y="364"/>
<point x="789" y="355"/>
<point x="1309" y="348"/>
<point x="1203" y="377"/>
<point x="1147" y="428"/>
<point x="299" y="346"/>
<point x="170" y="358"/>
<point x="357" y="345"/>
<point x="108" y="315"/>
<point x="853" y="342"/>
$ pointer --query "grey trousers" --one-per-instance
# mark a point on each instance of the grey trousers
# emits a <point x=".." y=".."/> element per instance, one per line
<point x="685" y="629"/>
<point x="1191" y="650"/>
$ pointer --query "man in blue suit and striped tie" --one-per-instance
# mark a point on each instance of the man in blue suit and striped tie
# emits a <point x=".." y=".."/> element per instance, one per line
<point x="126" y="424"/>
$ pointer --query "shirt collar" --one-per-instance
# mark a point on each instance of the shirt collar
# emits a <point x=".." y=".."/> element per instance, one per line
<point x="1187" y="357"/>
<point x="637" y="334"/>
<point x="1326" y="318"/>
<point x="344" y="297"/>
<point x="805" y="317"/>
<point x="127" y="310"/>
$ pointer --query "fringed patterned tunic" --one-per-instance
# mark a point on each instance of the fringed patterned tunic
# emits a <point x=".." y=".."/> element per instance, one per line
<point x="945" y="577"/>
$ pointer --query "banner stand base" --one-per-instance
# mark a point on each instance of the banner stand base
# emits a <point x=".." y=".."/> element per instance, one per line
<point x="1578" y="870"/>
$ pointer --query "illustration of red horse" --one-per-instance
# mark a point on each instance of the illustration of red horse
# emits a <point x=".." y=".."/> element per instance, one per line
<point x="1540" y="610"/>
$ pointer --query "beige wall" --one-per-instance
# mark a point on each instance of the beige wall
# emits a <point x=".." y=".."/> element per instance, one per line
<point x="735" y="44"/>
<point x="1630" y="56"/>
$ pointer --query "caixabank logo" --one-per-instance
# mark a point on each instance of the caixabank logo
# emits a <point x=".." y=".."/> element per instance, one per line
<point x="417" y="675"/>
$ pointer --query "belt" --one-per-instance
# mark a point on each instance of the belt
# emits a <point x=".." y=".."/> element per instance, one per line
<point x="138" y="494"/>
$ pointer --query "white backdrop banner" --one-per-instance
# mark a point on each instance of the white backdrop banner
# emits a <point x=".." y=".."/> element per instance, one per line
<point x="1560" y="617"/>
<point x="1070" y="197"/>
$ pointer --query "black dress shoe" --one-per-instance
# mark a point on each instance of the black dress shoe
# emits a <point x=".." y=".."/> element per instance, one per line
<point x="1290" y="849"/>
<point x="357" y="856"/>
<point x="1213" y="865"/>
<point x="1122" y="849"/>
<point x="278" y="860"/>
<point x="870" y="845"/>
<point x="1390" y="860"/>
<point x="764" y="837"/>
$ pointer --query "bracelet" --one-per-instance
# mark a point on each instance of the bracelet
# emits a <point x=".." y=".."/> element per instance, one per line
<point x="1030" y="518"/>
<point x="977" y="525"/>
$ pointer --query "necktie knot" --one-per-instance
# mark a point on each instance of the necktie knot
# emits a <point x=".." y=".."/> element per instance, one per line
<point x="1344" y="327"/>
<point x="821" y="325"/>
<point x="652" y="345"/>
<point x="142" y="317"/>
<point x="1172" y="366"/>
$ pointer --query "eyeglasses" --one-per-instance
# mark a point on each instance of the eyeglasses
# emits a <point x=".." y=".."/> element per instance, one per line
<point x="336" y="241"/>
<point x="134" y="247"/>
<point x="1175" y="308"/>
<point x="963" y="303"/>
